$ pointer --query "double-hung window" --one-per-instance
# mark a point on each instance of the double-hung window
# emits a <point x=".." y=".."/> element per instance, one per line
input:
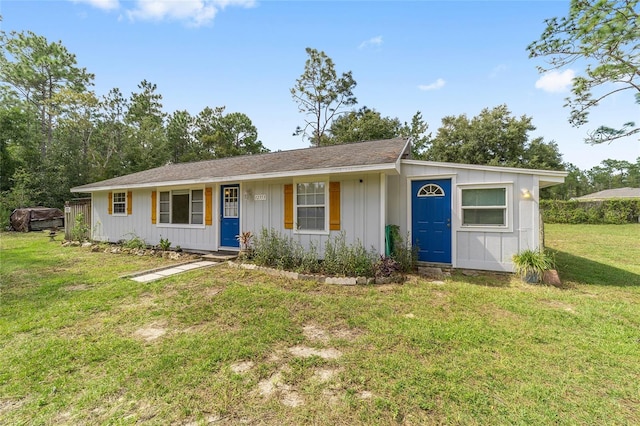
<point x="485" y="206"/>
<point x="311" y="206"/>
<point x="119" y="203"/>
<point x="182" y="206"/>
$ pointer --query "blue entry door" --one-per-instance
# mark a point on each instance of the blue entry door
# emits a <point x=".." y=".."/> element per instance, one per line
<point x="431" y="219"/>
<point x="229" y="215"/>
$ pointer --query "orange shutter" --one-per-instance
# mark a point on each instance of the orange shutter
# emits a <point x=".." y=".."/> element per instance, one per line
<point x="334" y="206"/>
<point x="154" y="199"/>
<point x="208" y="213"/>
<point x="110" y="207"/>
<point x="129" y="202"/>
<point x="288" y="206"/>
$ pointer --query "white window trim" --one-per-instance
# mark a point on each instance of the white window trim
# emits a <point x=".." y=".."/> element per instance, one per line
<point x="182" y="225"/>
<point x="113" y="203"/>
<point x="222" y="206"/>
<point x="508" y="226"/>
<point x="324" y="231"/>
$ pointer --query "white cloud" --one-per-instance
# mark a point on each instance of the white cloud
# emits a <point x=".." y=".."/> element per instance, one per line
<point x="372" y="42"/>
<point x="438" y="84"/>
<point x="101" y="4"/>
<point x="194" y="12"/>
<point x="497" y="70"/>
<point x="555" y="81"/>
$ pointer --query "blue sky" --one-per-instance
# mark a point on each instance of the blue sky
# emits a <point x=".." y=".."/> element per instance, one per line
<point x="441" y="58"/>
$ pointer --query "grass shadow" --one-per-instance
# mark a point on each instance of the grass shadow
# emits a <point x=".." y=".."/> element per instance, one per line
<point x="585" y="271"/>
<point x="483" y="278"/>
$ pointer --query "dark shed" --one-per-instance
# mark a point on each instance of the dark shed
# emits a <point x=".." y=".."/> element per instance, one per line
<point x="36" y="219"/>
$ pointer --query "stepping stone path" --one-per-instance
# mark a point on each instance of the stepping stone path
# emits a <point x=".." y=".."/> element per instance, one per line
<point x="167" y="272"/>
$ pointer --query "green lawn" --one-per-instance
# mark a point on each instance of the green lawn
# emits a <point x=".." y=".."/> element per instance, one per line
<point x="78" y="345"/>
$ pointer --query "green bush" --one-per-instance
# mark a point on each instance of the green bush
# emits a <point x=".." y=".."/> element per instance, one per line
<point x="165" y="244"/>
<point x="348" y="260"/>
<point x="616" y="211"/>
<point x="134" y="242"/>
<point x="402" y="252"/>
<point x="531" y="264"/>
<point x="80" y="230"/>
<point x="279" y="251"/>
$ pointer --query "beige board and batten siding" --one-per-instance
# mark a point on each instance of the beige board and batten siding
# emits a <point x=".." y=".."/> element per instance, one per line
<point x="138" y="223"/>
<point x="262" y="206"/>
<point x="473" y="247"/>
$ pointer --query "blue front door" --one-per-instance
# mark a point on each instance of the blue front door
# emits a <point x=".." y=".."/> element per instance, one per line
<point x="431" y="219"/>
<point x="229" y="215"/>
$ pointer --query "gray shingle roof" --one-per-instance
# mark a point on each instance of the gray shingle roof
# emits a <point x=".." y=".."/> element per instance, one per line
<point x="611" y="193"/>
<point x="347" y="156"/>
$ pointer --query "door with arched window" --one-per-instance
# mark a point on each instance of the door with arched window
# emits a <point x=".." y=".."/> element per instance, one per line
<point x="431" y="219"/>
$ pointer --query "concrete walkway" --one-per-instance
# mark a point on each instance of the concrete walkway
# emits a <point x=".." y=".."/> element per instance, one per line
<point x="173" y="270"/>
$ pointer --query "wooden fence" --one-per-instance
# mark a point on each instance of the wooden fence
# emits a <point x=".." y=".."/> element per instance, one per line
<point x="71" y="210"/>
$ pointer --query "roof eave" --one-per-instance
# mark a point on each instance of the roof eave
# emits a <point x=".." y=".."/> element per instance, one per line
<point x="389" y="168"/>
<point x="551" y="174"/>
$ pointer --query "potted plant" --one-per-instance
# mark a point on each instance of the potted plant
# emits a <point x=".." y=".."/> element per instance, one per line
<point x="530" y="265"/>
<point x="245" y="244"/>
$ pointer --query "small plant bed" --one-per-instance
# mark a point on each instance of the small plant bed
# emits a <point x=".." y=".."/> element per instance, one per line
<point x="322" y="279"/>
<point x="340" y="263"/>
<point x="135" y="246"/>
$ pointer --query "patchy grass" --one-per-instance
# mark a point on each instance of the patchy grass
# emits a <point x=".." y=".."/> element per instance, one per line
<point x="78" y="345"/>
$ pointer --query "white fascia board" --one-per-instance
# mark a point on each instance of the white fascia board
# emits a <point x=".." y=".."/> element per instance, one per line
<point x="547" y="174"/>
<point x="389" y="168"/>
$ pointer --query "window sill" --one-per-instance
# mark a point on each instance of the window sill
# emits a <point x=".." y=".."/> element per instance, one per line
<point x="310" y="232"/>
<point x="485" y="228"/>
<point x="180" y="225"/>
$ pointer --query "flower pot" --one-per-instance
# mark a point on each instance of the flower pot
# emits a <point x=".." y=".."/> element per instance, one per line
<point x="531" y="278"/>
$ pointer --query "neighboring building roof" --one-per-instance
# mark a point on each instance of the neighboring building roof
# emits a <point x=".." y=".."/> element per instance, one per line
<point x="363" y="156"/>
<point x="611" y="193"/>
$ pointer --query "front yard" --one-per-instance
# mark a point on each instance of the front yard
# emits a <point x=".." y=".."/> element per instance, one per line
<point x="79" y="345"/>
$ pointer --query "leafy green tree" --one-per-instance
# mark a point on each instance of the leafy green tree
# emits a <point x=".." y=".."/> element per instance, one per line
<point x="237" y="136"/>
<point x="576" y="184"/>
<point x="37" y="70"/>
<point x="604" y="35"/>
<point x="146" y="138"/>
<point x="72" y="152"/>
<point x="222" y="135"/>
<point x="362" y="125"/>
<point x="207" y="124"/>
<point x="181" y="137"/>
<point x="417" y="132"/>
<point x="539" y="154"/>
<point x="18" y="140"/>
<point x="108" y="155"/>
<point x="321" y="96"/>
<point x="494" y="137"/>
<point x="368" y="124"/>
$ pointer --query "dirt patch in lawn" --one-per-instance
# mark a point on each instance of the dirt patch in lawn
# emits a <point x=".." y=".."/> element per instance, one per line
<point x="145" y="300"/>
<point x="8" y="405"/>
<point x="307" y="352"/>
<point x="77" y="287"/>
<point x="324" y="375"/>
<point x="560" y="305"/>
<point x="151" y="332"/>
<point x="242" y="367"/>
<point x="210" y="293"/>
<point x="318" y="334"/>
<point x="274" y="387"/>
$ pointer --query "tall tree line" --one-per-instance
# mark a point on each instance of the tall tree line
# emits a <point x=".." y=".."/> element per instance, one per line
<point x="57" y="133"/>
